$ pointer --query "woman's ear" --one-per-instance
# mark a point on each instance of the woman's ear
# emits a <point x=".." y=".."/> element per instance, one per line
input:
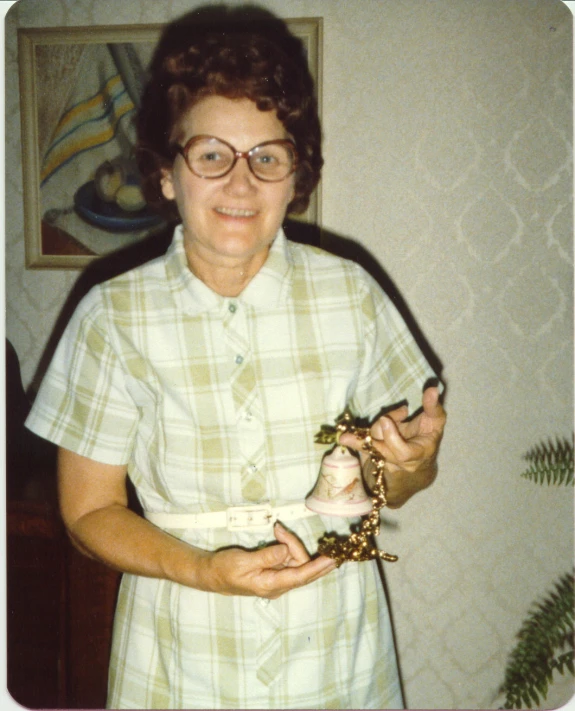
<point x="167" y="184"/>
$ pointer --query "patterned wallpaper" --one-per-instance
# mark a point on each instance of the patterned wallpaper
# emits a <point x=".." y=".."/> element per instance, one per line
<point x="448" y="131"/>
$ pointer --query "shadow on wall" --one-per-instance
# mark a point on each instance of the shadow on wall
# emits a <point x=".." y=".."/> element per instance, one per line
<point x="123" y="260"/>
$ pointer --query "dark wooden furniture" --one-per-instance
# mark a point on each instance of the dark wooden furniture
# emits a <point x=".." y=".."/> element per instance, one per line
<point x="60" y="605"/>
<point x="59" y="617"/>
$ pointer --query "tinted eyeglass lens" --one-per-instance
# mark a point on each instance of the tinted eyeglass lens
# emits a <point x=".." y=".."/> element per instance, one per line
<point x="211" y="158"/>
<point x="273" y="161"/>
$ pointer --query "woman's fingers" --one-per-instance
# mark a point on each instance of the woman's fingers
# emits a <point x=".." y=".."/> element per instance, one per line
<point x="267" y="572"/>
<point x="281" y="581"/>
<point x="295" y="569"/>
<point x="297" y="553"/>
<point x="352" y="441"/>
<point x="399" y="414"/>
<point x="401" y="441"/>
<point x="392" y="444"/>
<point x="274" y="556"/>
<point x="386" y="438"/>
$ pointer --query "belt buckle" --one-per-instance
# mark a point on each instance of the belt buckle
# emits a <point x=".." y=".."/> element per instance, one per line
<point x="246" y="518"/>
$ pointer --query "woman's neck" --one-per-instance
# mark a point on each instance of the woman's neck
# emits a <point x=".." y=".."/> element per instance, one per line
<point x="227" y="277"/>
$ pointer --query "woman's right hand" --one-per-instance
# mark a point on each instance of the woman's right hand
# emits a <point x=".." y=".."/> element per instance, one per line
<point x="268" y="572"/>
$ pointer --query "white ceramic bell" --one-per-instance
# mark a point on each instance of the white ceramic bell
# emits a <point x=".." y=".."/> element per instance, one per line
<point x="339" y="488"/>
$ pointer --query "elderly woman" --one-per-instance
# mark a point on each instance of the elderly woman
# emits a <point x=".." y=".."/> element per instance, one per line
<point x="203" y="375"/>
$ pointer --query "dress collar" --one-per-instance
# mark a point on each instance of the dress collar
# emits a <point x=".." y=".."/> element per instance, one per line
<point x="265" y="291"/>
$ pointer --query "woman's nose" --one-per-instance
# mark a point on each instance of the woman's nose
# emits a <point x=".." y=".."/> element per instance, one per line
<point x="241" y="178"/>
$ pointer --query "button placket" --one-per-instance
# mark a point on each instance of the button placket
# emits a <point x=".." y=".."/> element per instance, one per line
<point x="244" y="393"/>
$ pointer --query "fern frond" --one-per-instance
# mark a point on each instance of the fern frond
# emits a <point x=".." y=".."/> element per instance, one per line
<point x="551" y="463"/>
<point x="545" y="645"/>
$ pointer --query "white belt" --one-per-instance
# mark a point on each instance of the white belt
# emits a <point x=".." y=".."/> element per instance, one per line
<point x="234" y="518"/>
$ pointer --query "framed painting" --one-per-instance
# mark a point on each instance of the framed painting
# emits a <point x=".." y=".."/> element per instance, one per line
<point x="79" y="93"/>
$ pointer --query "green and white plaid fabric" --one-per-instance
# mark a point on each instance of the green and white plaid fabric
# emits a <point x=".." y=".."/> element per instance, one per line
<point x="214" y="402"/>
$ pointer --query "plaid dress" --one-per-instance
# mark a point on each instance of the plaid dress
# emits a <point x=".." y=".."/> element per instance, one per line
<point x="214" y="402"/>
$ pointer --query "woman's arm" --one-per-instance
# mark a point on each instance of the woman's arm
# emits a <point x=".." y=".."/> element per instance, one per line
<point x="93" y="503"/>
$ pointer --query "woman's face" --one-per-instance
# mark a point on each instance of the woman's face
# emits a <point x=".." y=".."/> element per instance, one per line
<point x="232" y="219"/>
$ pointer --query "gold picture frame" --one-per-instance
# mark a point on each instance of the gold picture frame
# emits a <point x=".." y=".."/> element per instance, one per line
<point x="60" y="231"/>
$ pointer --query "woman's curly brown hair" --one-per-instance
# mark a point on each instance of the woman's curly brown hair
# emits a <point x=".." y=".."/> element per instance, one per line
<point x="235" y="62"/>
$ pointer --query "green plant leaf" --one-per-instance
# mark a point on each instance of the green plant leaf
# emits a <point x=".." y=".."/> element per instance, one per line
<point x="551" y="462"/>
<point x="545" y="633"/>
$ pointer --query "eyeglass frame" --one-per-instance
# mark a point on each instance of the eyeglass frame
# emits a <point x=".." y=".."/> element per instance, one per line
<point x="183" y="151"/>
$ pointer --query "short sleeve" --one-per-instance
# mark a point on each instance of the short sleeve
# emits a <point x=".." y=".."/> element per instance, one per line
<point x="83" y="403"/>
<point x="394" y="370"/>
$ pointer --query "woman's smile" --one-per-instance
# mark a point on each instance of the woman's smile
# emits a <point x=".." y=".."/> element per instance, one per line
<point x="235" y="212"/>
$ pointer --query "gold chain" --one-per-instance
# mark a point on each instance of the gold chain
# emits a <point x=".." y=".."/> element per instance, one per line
<point x="359" y="545"/>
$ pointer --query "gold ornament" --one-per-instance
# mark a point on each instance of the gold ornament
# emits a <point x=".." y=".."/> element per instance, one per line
<point x="359" y="545"/>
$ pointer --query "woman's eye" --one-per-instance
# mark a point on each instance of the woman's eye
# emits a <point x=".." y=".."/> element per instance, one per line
<point x="210" y="157"/>
<point x="266" y="159"/>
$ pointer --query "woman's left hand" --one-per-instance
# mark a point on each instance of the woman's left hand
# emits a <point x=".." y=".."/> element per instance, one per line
<point x="409" y="447"/>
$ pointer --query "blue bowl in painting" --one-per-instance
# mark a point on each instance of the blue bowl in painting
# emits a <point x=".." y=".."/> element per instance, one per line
<point x="108" y="215"/>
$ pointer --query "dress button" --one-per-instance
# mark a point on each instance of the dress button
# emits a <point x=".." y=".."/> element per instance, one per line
<point x="232" y="308"/>
<point x="239" y="359"/>
<point x="248" y="416"/>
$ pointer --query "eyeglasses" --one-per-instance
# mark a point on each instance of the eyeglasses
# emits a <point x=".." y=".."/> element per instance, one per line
<point x="211" y="157"/>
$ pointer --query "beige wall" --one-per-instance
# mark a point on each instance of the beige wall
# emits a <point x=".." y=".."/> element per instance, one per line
<point x="467" y="107"/>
